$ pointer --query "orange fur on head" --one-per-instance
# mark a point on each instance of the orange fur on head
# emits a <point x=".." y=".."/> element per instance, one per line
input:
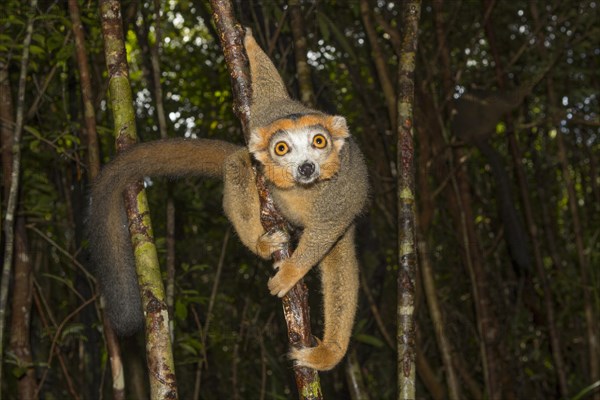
<point x="331" y="166"/>
<point x="260" y="137"/>
<point x="281" y="176"/>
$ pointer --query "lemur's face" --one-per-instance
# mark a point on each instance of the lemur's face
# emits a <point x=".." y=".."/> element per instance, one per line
<point x="300" y="150"/>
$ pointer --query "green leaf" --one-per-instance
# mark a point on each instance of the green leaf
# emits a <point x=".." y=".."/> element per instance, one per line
<point x="586" y="390"/>
<point x="323" y="27"/>
<point x="181" y="311"/>
<point x="75" y="329"/>
<point x="188" y="349"/>
<point x="37" y="50"/>
<point x="38" y="38"/>
<point x="368" y="339"/>
<point x="54" y="42"/>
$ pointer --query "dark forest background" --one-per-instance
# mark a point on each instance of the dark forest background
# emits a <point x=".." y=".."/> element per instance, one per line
<point x="507" y="149"/>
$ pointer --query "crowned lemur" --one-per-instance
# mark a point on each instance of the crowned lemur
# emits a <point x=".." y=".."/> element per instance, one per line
<point x="318" y="180"/>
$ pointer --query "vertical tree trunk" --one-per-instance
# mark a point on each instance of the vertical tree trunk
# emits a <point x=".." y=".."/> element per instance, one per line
<point x="86" y="90"/>
<point x="407" y="251"/>
<point x="435" y="311"/>
<point x="93" y="154"/>
<point x="20" y="327"/>
<point x="381" y="67"/>
<point x="592" y="333"/>
<point x="379" y="59"/>
<point x="295" y="302"/>
<point x="584" y="267"/>
<point x="307" y="93"/>
<point x="158" y="343"/>
<point x="487" y="322"/>
<point x="462" y="213"/>
<point x="531" y="225"/>
<point x="586" y="283"/>
<point x="154" y="52"/>
<point x="354" y="378"/>
<point x="15" y="176"/>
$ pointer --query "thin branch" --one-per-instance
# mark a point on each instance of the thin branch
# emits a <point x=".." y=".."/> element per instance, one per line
<point x="71" y="257"/>
<point x="211" y="304"/>
<point x="295" y="302"/>
<point x="376" y="314"/>
<point x="36" y="103"/>
<point x="9" y="222"/>
<point x="380" y="63"/>
<point x="437" y="319"/>
<point x="42" y="306"/>
<point x="407" y="249"/>
<point x="53" y="347"/>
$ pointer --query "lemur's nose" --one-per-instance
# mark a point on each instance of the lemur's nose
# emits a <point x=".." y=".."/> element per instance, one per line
<point x="306" y="169"/>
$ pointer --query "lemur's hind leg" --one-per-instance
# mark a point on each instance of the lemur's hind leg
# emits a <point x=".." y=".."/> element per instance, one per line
<point x="242" y="206"/>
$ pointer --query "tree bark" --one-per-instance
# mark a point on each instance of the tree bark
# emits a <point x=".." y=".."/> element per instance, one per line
<point x="487" y="322"/>
<point x="354" y="378"/>
<point x="295" y="302"/>
<point x="307" y="93"/>
<point x="15" y="176"/>
<point x="437" y="319"/>
<point x="93" y="153"/>
<point x="20" y="325"/>
<point x="553" y="334"/>
<point x="460" y="205"/>
<point x="407" y="251"/>
<point x="155" y="51"/>
<point x="592" y="334"/>
<point x="86" y="90"/>
<point x="381" y="67"/>
<point x="584" y="267"/>
<point x="158" y="342"/>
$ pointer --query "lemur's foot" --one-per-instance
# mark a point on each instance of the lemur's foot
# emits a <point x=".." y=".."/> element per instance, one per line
<point x="270" y="242"/>
<point x="323" y="357"/>
<point x="287" y="276"/>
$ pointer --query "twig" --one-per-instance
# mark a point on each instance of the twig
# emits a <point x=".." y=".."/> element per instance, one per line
<point x="63" y="251"/>
<point x="42" y="306"/>
<point x="211" y="304"/>
<point x="376" y="314"/>
<point x="36" y="103"/>
<point x="57" y="335"/>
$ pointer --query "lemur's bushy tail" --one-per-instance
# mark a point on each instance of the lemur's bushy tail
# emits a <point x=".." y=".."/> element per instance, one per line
<point x="339" y="275"/>
<point x="107" y="228"/>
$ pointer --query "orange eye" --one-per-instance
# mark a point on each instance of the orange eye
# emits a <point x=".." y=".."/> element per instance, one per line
<point x="281" y="148"/>
<point x="319" y="141"/>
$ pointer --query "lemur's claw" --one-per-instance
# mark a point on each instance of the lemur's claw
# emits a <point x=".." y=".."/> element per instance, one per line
<point x="286" y="277"/>
<point x="272" y="241"/>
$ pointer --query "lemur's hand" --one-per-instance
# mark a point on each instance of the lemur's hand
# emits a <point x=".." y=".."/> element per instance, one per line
<point x="287" y="276"/>
<point x="270" y="242"/>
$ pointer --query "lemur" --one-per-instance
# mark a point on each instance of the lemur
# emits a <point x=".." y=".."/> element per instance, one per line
<point x="318" y="180"/>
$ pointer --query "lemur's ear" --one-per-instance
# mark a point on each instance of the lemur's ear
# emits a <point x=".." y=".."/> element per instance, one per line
<point x="258" y="140"/>
<point x="270" y="98"/>
<point x="338" y="128"/>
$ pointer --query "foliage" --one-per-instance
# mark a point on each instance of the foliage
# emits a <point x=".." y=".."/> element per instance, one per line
<point x="244" y="350"/>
